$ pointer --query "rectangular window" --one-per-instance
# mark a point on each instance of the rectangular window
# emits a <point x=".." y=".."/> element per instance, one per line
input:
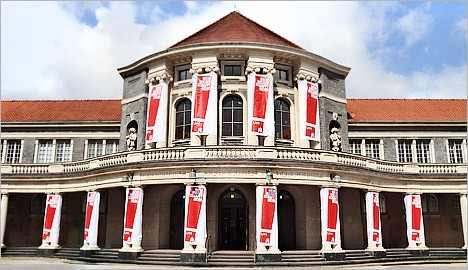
<point x="355" y="146"/>
<point x="63" y="151"/>
<point x="405" y="153"/>
<point x="13" y="151"/>
<point x="185" y="74"/>
<point x="372" y="148"/>
<point x="455" y="151"/>
<point x="45" y="151"/>
<point x="423" y="152"/>
<point x="95" y="148"/>
<point x="281" y="75"/>
<point x="232" y="70"/>
<point x="112" y="146"/>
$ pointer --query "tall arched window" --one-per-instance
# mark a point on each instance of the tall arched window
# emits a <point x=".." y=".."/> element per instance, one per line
<point x="183" y="119"/>
<point x="282" y="120"/>
<point x="38" y="204"/>
<point x="429" y="204"/>
<point x="233" y="116"/>
<point x="383" y="204"/>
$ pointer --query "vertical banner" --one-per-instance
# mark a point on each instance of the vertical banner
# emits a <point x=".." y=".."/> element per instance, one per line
<point x="261" y="118"/>
<point x="195" y="217"/>
<point x="267" y="223"/>
<point x="91" y="218"/>
<point x="414" y="219"/>
<point x="156" y="120"/>
<point x="374" y="230"/>
<point x="204" y="104"/>
<point x="309" y="110"/>
<point x="52" y="216"/>
<point x="133" y="216"/>
<point x="330" y="216"/>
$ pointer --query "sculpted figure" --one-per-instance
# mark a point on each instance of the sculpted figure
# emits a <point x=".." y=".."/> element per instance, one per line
<point x="131" y="139"/>
<point x="335" y="139"/>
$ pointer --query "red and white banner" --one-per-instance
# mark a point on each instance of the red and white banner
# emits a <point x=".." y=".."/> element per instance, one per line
<point x="52" y="216"/>
<point x="156" y="121"/>
<point x="374" y="231"/>
<point x="195" y="218"/>
<point x="330" y="216"/>
<point x="133" y="216"/>
<point x="267" y="223"/>
<point x="204" y="104"/>
<point x="414" y="219"/>
<point x="261" y="117"/>
<point x="309" y="110"/>
<point x="91" y="218"/>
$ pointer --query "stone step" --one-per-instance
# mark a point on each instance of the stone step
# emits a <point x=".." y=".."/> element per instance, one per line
<point x="161" y="255"/>
<point x="156" y="259"/>
<point x="301" y="260"/>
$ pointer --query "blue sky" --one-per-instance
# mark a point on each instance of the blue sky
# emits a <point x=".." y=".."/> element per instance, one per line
<point x="71" y="50"/>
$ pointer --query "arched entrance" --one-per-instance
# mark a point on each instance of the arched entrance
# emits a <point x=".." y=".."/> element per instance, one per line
<point x="286" y="221"/>
<point x="176" y="234"/>
<point x="232" y="220"/>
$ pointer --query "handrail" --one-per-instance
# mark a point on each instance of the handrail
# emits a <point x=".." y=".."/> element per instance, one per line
<point x="207" y="247"/>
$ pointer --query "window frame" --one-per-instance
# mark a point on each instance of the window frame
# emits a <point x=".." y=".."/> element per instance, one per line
<point x="177" y="71"/>
<point x="5" y="147"/>
<point x="53" y="150"/>
<point x="103" y="147"/>
<point x="232" y="122"/>
<point x="457" y="159"/>
<point x="184" y="125"/>
<point x="288" y="70"/>
<point x="414" y="150"/>
<point x="240" y="63"/>
<point x="288" y="104"/>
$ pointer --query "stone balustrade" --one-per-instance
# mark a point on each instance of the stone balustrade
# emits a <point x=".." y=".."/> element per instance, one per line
<point x="234" y="152"/>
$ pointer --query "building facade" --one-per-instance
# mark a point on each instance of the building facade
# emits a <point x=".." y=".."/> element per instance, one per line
<point x="374" y="174"/>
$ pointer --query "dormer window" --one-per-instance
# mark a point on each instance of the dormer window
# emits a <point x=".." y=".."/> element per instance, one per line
<point x="185" y="75"/>
<point x="282" y="75"/>
<point x="232" y="70"/>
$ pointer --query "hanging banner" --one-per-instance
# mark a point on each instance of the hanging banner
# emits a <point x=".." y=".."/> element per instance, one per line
<point x="133" y="216"/>
<point x="156" y="121"/>
<point x="52" y="216"/>
<point x="414" y="219"/>
<point x="309" y="110"/>
<point x="261" y="118"/>
<point x="195" y="218"/>
<point x="374" y="231"/>
<point x="330" y="216"/>
<point x="267" y="224"/>
<point x="204" y="104"/>
<point x="91" y="218"/>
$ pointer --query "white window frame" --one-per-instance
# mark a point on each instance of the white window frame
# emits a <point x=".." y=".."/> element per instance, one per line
<point x="362" y="147"/>
<point x="103" y="148"/>
<point x="233" y="63"/>
<point x="54" y="149"/>
<point x="288" y="69"/>
<point x="5" y="150"/>
<point x="177" y="69"/>
<point x="463" y="149"/>
<point x="414" y="142"/>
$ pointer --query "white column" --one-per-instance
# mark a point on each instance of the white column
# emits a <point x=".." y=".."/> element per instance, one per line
<point x="91" y="221"/>
<point x="414" y="222"/>
<point x="267" y="220"/>
<point x="463" y="210"/>
<point x="195" y="219"/>
<point x="373" y="220"/>
<point x="51" y="228"/>
<point x="132" y="231"/>
<point x="330" y="220"/>
<point x="4" y="212"/>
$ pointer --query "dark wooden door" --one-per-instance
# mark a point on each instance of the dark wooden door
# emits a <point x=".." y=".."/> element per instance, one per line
<point x="286" y="221"/>
<point x="232" y="221"/>
<point x="176" y="237"/>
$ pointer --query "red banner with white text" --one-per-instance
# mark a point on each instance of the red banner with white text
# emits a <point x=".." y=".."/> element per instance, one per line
<point x="414" y="219"/>
<point x="261" y="119"/>
<point x="133" y="216"/>
<point x="156" y="122"/>
<point x="51" y="229"/>
<point x="195" y="218"/>
<point x="330" y="216"/>
<point x="91" y="218"/>
<point x="204" y="104"/>
<point x="308" y="110"/>
<point x="373" y="218"/>
<point x="267" y="224"/>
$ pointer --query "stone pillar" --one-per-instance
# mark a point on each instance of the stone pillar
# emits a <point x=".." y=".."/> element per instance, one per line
<point x="374" y="225"/>
<point x="91" y="225"/>
<point x="132" y="229"/>
<point x="195" y="224"/>
<point x="415" y="225"/>
<point x="4" y="213"/>
<point x="463" y="210"/>
<point x="267" y="224"/>
<point x="51" y="228"/>
<point x="330" y="219"/>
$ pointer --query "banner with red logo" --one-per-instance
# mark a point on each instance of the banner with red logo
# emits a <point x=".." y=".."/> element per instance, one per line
<point x="267" y="224"/>
<point x="330" y="216"/>
<point x="91" y="218"/>
<point x="51" y="229"/>
<point x="204" y="104"/>
<point x="414" y="219"/>
<point x="309" y="110"/>
<point x="195" y="218"/>
<point x="156" y="121"/>
<point x="374" y="231"/>
<point x="261" y="118"/>
<point x="133" y="216"/>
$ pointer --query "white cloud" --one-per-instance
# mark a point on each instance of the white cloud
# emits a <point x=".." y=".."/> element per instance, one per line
<point x="52" y="54"/>
<point x="459" y="29"/>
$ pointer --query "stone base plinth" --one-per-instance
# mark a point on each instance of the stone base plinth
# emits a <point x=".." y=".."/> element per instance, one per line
<point x="88" y="252"/>
<point x="47" y="252"/>
<point x="419" y="252"/>
<point x="266" y="257"/>
<point x="128" y="256"/>
<point x="191" y="257"/>
<point x="334" y="256"/>
<point x="377" y="253"/>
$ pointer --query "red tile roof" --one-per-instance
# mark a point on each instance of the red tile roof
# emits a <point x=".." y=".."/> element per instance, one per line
<point x="235" y="27"/>
<point x="407" y="110"/>
<point x="61" y="110"/>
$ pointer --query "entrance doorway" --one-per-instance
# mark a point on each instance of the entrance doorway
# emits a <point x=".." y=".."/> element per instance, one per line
<point x="176" y="236"/>
<point x="232" y="221"/>
<point x="286" y="221"/>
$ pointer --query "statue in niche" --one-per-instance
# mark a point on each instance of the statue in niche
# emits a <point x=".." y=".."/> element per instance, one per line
<point x="131" y="139"/>
<point x="335" y="139"/>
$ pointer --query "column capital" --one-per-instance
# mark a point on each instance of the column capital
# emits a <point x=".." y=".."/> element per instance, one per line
<point x="259" y="70"/>
<point x="159" y="78"/>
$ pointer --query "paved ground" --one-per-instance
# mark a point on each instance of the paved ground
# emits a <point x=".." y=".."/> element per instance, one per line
<point x="16" y="263"/>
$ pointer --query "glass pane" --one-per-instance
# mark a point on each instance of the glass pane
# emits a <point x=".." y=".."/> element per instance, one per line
<point x="227" y="129"/>
<point x="227" y="115"/>
<point x="179" y="118"/>
<point x="188" y="117"/>
<point x="238" y="115"/>
<point x="179" y="132"/>
<point x="238" y="129"/>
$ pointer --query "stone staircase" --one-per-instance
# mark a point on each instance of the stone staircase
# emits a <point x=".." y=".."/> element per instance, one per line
<point x="68" y="253"/>
<point x="358" y="256"/>
<point x="105" y="255"/>
<point x="300" y="257"/>
<point x="158" y="256"/>
<point x="21" y="251"/>
<point x="231" y="258"/>
<point x="444" y="253"/>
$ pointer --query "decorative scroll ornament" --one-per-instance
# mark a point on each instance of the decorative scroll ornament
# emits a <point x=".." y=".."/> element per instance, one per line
<point x="259" y="70"/>
<point x="207" y="69"/>
<point x="164" y="77"/>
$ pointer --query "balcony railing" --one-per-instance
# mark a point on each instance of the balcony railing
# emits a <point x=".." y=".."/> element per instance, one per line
<point x="235" y="153"/>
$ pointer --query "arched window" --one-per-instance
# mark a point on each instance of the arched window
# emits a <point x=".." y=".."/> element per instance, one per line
<point x="233" y="116"/>
<point x="11" y="204"/>
<point x="429" y="204"/>
<point x="38" y="204"/>
<point x="282" y="120"/>
<point x="456" y="204"/>
<point x="183" y="119"/>
<point x="383" y="204"/>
